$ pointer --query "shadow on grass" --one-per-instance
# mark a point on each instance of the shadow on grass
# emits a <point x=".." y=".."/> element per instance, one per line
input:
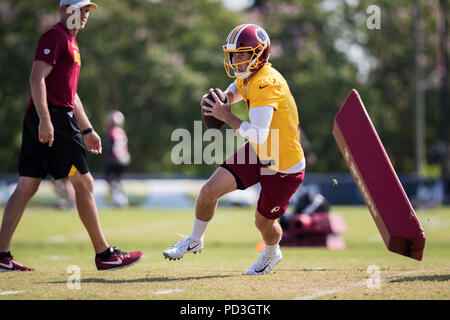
<point x="445" y="277"/>
<point x="317" y="269"/>
<point x="142" y="280"/>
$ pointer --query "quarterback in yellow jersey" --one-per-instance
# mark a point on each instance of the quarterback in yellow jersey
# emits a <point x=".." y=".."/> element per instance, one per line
<point x="272" y="156"/>
<point x="267" y="88"/>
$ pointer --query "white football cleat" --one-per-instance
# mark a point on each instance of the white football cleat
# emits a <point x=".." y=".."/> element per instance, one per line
<point x="265" y="263"/>
<point x="183" y="246"/>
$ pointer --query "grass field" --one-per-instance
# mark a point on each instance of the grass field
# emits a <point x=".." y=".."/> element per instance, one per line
<point x="51" y="240"/>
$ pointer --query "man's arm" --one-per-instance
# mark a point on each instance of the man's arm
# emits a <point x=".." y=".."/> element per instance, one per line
<point x="233" y="96"/>
<point x="233" y="93"/>
<point x="39" y="72"/>
<point x="91" y="139"/>
<point x="257" y="130"/>
<point x="221" y="111"/>
<point x="80" y="114"/>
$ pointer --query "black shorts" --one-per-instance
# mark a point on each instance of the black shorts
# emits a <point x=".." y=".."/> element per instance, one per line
<point x="36" y="159"/>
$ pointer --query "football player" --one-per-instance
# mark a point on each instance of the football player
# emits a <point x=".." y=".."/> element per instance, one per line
<point x="273" y="126"/>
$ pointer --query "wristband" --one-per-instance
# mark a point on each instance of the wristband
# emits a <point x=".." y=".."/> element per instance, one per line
<point x="89" y="130"/>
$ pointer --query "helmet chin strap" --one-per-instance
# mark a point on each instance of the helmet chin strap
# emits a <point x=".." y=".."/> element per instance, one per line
<point x="245" y="75"/>
<point x="248" y="73"/>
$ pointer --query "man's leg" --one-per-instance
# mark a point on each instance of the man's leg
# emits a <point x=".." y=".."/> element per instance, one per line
<point x="106" y="258"/>
<point x="87" y="209"/>
<point x="219" y="184"/>
<point x="270" y="229"/>
<point x="25" y="189"/>
<point x="276" y="193"/>
<point x="271" y="232"/>
<point x="236" y="170"/>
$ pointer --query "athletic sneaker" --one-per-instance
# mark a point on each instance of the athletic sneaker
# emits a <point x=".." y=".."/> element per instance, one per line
<point x="7" y="263"/>
<point x="183" y="246"/>
<point x="264" y="263"/>
<point x="117" y="259"/>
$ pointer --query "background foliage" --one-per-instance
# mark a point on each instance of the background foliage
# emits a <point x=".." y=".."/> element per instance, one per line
<point x="154" y="60"/>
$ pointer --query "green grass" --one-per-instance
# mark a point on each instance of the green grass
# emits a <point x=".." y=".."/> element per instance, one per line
<point x="51" y="240"/>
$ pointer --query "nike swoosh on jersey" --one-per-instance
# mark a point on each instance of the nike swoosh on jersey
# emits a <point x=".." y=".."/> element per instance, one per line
<point x="262" y="87"/>
<point x="118" y="261"/>
<point x="283" y="175"/>
<point x="7" y="266"/>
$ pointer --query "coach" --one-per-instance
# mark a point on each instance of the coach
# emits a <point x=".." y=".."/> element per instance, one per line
<point x="54" y="129"/>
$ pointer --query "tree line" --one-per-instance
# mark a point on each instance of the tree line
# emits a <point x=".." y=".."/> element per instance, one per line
<point x="154" y="60"/>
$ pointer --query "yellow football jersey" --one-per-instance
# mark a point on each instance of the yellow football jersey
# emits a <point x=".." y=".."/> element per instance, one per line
<point x="267" y="87"/>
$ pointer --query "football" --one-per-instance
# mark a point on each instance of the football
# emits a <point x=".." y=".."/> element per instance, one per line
<point x="210" y="121"/>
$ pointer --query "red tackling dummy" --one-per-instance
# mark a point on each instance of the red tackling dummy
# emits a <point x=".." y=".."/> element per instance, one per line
<point x="317" y="223"/>
<point x="376" y="179"/>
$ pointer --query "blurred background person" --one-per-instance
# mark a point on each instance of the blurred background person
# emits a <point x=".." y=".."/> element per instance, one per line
<point x="65" y="190"/>
<point x="117" y="157"/>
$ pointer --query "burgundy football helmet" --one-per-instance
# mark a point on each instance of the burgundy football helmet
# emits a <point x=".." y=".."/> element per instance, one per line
<point x="246" y="38"/>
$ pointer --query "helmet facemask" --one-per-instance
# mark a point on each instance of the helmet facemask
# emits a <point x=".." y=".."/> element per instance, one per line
<point x="232" y="69"/>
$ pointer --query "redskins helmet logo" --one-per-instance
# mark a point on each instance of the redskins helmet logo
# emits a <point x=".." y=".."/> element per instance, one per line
<point x="275" y="209"/>
<point x="261" y="35"/>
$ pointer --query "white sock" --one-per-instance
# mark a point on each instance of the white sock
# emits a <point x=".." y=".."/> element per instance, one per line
<point x="199" y="229"/>
<point x="270" y="250"/>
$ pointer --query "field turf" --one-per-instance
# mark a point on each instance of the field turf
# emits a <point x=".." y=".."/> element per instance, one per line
<point x="52" y="240"/>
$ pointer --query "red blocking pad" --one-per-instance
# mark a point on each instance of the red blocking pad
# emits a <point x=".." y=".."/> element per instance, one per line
<point x="376" y="179"/>
<point x="317" y="223"/>
<point x="329" y="241"/>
